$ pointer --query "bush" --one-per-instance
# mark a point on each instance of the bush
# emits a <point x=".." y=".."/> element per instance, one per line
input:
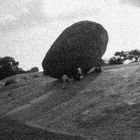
<point x="114" y="60"/>
<point x="133" y="54"/>
<point x="9" y="67"/>
<point x="34" y="69"/>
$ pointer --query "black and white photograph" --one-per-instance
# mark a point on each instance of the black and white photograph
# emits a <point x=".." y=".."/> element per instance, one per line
<point x="69" y="69"/>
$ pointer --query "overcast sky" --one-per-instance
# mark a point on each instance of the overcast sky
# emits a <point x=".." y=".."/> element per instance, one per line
<point x="29" y="27"/>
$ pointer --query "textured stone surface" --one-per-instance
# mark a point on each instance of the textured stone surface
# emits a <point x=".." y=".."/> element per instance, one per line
<point x="80" y="45"/>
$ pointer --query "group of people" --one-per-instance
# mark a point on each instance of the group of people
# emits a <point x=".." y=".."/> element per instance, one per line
<point x="79" y="75"/>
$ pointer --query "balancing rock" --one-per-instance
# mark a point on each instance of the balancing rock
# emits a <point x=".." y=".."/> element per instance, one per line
<point x="80" y="45"/>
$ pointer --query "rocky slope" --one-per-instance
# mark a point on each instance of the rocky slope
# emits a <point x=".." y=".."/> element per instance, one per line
<point x="102" y="106"/>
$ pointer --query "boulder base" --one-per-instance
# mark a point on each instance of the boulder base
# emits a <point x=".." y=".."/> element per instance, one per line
<point x="80" y="45"/>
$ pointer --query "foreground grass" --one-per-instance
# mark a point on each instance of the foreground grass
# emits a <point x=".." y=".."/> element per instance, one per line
<point x="101" y="106"/>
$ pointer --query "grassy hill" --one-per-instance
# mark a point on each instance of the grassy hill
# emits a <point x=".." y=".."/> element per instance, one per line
<point x="102" y="106"/>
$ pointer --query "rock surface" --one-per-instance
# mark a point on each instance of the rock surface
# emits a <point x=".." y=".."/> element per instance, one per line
<point x="102" y="106"/>
<point x="80" y="45"/>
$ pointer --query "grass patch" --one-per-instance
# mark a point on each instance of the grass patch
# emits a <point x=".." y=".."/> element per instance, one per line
<point x="9" y="82"/>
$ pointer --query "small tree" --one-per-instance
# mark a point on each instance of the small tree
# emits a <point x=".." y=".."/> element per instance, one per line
<point x="117" y="54"/>
<point x="114" y="60"/>
<point x="121" y="54"/>
<point x="135" y="54"/>
<point x="9" y="67"/>
<point x="34" y="69"/>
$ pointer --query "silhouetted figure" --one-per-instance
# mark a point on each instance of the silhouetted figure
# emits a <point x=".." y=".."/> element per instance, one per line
<point x="64" y="79"/>
<point x="98" y="69"/>
<point x="79" y="75"/>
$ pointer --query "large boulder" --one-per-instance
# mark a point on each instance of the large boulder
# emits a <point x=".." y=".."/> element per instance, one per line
<point x="80" y="45"/>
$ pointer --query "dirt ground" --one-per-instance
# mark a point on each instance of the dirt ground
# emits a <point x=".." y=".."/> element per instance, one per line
<point x="103" y="106"/>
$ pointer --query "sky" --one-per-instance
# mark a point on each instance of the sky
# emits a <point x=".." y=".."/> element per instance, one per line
<point x="28" y="28"/>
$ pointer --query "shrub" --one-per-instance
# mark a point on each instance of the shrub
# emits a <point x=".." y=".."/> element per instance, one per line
<point x="114" y="60"/>
<point x="9" y="67"/>
<point x="34" y="69"/>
